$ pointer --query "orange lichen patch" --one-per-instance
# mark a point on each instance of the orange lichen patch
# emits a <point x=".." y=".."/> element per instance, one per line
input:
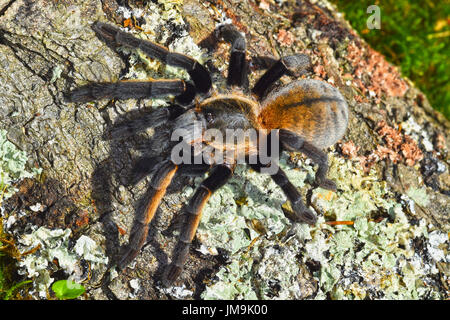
<point x="349" y="149"/>
<point x="82" y="219"/>
<point x="340" y="223"/>
<point x="392" y="136"/>
<point x="121" y="230"/>
<point x="318" y="67"/>
<point x="326" y="197"/>
<point x="127" y="23"/>
<point x="131" y="23"/>
<point x="411" y="151"/>
<point x="320" y="72"/>
<point x="285" y="38"/>
<point x="397" y="147"/>
<point x="400" y="143"/>
<point x="377" y="76"/>
<point x="383" y="153"/>
<point x="440" y="141"/>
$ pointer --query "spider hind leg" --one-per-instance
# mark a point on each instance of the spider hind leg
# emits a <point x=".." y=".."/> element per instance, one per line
<point x="293" y="142"/>
<point x="301" y="212"/>
<point x="145" y="213"/>
<point x="218" y="177"/>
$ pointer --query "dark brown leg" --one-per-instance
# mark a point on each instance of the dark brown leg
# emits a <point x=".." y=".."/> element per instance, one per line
<point x="293" y="142"/>
<point x="156" y="191"/>
<point x="142" y="120"/>
<point x="130" y="89"/>
<point x="301" y="212"/>
<point x="193" y="170"/>
<point x="219" y="176"/>
<point x="237" y="68"/>
<point x="198" y="73"/>
<point x="293" y="65"/>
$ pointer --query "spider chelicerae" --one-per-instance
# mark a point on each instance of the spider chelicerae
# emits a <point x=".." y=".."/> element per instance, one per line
<point x="304" y="115"/>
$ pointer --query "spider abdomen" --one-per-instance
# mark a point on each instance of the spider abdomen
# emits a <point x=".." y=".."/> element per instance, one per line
<point x="312" y="109"/>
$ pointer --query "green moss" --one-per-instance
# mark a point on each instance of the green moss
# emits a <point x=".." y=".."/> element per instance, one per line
<point x="6" y="273"/>
<point x="9" y="278"/>
<point x="414" y="35"/>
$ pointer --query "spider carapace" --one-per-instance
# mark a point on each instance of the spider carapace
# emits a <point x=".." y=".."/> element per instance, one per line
<point x="307" y="116"/>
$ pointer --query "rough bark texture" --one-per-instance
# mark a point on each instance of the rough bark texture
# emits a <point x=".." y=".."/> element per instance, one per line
<point x="47" y="47"/>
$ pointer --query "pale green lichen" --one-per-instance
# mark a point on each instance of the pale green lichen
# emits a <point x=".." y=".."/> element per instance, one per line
<point x="45" y="245"/>
<point x="12" y="166"/>
<point x="373" y="257"/>
<point x="419" y="196"/>
<point x="56" y="73"/>
<point x="177" y="292"/>
<point x="234" y="282"/>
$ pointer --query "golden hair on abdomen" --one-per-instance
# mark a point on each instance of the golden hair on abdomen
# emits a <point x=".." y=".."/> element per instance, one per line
<point x="312" y="109"/>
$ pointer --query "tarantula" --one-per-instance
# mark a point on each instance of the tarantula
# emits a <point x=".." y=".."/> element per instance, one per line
<point x="304" y="116"/>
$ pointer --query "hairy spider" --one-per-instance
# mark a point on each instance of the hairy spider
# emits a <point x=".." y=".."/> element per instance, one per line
<point x="304" y="115"/>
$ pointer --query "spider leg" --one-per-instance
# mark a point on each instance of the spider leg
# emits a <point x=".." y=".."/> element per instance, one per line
<point x="156" y="191"/>
<point x="191" y="170"/>
<point x="263" y="62"/>
<point x="198" y="73"/>
<point x="219" y="176"/>
<point x="194" y="170"/>
<point x="294" y="65"/>
<point x="142" y="167"/>
<point x="237" y="68"/>
<point x="295" y="143"/>
<point x="130" y="89"/>
<point x="301" y="212"/>
<point x="144" y="120"/>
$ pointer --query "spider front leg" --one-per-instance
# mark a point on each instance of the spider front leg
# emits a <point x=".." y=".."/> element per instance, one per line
<point x="237" y="68"/>
<point x="293" y="142"/>
<point x="198" y="73"/>
<point x="131" y="89"/>
<point x="144" y="215"/>
<point x="219" y="176"/>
